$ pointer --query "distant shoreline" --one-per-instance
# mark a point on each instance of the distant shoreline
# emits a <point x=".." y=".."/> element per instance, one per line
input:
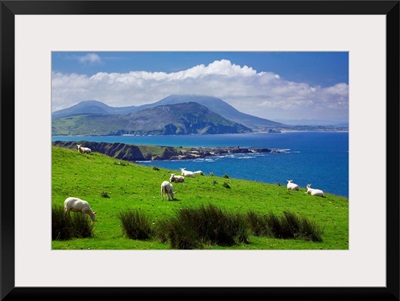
<point x="255" y="132"/>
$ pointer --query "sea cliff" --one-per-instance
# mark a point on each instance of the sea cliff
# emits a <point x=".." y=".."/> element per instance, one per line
<point x="131" y="152"/>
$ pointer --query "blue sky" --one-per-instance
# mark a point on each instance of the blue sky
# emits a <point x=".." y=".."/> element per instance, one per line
<point x="273" y="85"/>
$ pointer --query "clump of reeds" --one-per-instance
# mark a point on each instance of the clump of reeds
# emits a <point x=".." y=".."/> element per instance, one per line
<point x="136" y="224"/>
<point x="287" y="226"/>
<point x="194" y="227"/>
<point x="65" y="226"/>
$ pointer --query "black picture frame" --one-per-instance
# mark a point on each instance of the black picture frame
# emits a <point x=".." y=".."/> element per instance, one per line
<point x="9" y="9"/>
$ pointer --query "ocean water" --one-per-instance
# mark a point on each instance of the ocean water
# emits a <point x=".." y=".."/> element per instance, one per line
<point x="317" y="158"/>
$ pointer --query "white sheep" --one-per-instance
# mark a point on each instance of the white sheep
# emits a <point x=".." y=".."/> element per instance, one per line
<point x="168" y="189"/>
<point x="187" y="173"/>
<point x="83" y="150"/>
<point x="77" y="205"/>
<point x="313" y="191"/>
<point x="177" y="179"/>
<point x="198" y="172"/>
<point x="292" y="186"/>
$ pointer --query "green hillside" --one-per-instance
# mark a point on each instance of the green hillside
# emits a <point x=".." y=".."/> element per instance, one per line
<point x="131" y="186"/>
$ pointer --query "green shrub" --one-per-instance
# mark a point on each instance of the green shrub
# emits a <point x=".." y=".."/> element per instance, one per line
<point x="178" y="234"/>
<point x="194" y="227"/>
<point x="226" y="185"/>
<point x="258" y="224"/>
<point x="291" y="222"/>
<point x="61" y="225"/>
<point x="310" y="231"/>
<point x="82" y="225"/>
<point x="104" y="194"/>
<point x="135" y="224"/>
<point x="287" y="226"/>
<point x="65" y="227"/>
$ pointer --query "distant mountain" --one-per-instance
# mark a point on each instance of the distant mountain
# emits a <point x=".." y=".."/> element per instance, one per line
<point x="214" y="104"/>
<point x="220" y="107"/>
<point x="92" y="107"/>
<point x="175" y="119"/>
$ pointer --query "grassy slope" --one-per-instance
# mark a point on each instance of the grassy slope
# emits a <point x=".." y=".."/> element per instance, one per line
<point x="133" y="186"/>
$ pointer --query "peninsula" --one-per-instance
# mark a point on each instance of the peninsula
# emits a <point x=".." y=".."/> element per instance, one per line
<point x="132" y="152"/>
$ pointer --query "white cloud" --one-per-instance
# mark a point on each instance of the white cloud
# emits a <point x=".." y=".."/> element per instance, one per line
<point x="263" y="94"/>
<point x="89" y="58"/>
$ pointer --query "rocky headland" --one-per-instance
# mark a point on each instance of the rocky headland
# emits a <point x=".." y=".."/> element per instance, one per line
<point x="131" y="152"/>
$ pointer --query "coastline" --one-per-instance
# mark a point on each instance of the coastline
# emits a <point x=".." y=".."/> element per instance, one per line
<point x="133" y="152"/>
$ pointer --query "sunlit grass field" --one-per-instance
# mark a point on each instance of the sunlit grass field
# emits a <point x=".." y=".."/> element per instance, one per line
<point x="113" y="186"/>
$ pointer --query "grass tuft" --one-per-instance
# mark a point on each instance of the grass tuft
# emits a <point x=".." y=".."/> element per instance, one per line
<point x="194" y="227"/>
<point x="226" y="185"/>
<point x="65" y="227"/>
<point x="287" y="226"/>
<point x="104" y="195"/>
<point x="83" y="227"/>
<point x="136" y="224"/>
<point x="61" y="227"/>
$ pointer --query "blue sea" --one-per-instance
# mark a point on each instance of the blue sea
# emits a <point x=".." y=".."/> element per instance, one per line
<point x="318" y="158"/>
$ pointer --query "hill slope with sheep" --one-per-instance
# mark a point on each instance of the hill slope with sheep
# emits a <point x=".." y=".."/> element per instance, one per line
<point x="113" y="187"/>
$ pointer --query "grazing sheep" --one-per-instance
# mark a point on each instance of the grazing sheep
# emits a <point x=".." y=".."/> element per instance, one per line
<point x="168" y="189"/>
<point x="187" y="173"/>
<point x="77" y="205"/>
<point x="83" y="150"/>
<point x="177" y="179"/>
<point x="292" y="186"/>
<point x="198" y="172"/>
<point x="313" y="191"/>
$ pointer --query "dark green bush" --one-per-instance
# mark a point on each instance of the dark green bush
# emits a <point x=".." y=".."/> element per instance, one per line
<point x="287" y="226"/>
<point x="178" y="234"/>
<point x="61" y="225"/>
<point x="310" y="231"/>
<point x="194" y="227"/>
<point x="136" y="224"/>
<point x="82" y="225"/>
<point x="258" y="224"/>
<point x="104" y="195"/>
<point x="226" y="185"/>
<point x="66" y="227"/>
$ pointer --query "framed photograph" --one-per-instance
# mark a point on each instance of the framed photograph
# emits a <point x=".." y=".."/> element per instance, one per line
<point x="177" y="91"/>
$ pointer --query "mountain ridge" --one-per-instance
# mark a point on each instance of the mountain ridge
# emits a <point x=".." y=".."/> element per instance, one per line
<point x="221" y="107"/>
<point x="214" y="104"/>
<point x="177" y="119"/>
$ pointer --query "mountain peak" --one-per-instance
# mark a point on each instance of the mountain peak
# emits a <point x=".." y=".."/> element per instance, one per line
<point x="222" y="108"/>
<point x="91" y="102"/>
<point x="93" y="107"/>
